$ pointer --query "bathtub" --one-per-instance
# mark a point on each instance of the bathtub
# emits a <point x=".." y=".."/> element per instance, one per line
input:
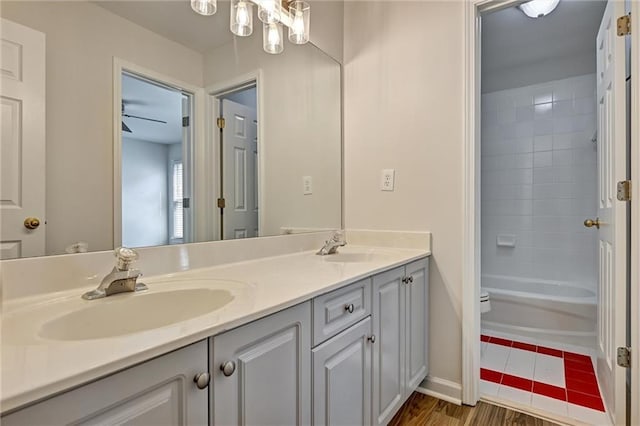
<point x="543" y="310"/>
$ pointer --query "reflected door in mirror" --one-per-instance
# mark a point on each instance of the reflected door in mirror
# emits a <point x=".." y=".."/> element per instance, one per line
<point x="22" y="155"/>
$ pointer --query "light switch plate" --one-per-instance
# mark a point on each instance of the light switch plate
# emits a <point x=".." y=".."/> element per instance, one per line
<point x="387" y="179"/>
<point x="307" y="185"/>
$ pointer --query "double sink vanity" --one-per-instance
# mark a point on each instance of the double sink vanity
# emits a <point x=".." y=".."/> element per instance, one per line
<point x="294" y="338"/>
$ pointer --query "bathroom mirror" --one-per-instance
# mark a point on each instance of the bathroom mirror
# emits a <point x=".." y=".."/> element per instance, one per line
<point x="143" y="123"/>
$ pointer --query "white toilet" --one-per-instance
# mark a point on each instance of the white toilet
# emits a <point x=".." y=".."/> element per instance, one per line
<point x="485" y="303"/>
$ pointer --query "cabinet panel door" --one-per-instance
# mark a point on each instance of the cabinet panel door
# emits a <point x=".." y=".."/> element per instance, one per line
<point x="417" y="306"/>
<point x="271" y="382"/>
<point x="342" y="378"/>
<point x="389" y="350"/>
<point x="157" y="392"/>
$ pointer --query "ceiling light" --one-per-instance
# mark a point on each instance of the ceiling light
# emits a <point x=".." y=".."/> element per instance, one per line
<point x="204" y="7"/>
<point x="275" y="15"/>
<point x="299" y="29"/>
<point x="538" y="8"/>
<point x="241" y="17"/>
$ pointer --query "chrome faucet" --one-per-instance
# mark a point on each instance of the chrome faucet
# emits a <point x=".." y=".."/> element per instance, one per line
<point x="121" y="278"/>
<point x="332" y="244"/>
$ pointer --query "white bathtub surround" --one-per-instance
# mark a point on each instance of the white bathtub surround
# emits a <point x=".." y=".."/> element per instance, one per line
<point x="34" y="367"/>
<point x="539" y="181"/>
<point x="554" y="311"/>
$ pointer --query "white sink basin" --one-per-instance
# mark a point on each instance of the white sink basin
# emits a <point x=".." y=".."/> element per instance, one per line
<point x="129" y="313"/>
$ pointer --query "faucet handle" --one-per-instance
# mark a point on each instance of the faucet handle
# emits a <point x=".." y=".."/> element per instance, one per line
<point x="125" y="256"/>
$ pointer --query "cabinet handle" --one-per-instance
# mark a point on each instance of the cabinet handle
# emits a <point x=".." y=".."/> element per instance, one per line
<point x="228" y="368"/>
<point x="349" y="308"/>
<point x="405" y="280"/>
<point x="372" y="338"/>
<point x="202" y="380"/>
<point x="410" y="279"/>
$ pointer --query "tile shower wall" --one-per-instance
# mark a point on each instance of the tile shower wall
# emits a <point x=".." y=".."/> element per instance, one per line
<point x="539" y="177"/>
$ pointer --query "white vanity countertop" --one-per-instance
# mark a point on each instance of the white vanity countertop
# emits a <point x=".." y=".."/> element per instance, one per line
<point x="33" y="368"/>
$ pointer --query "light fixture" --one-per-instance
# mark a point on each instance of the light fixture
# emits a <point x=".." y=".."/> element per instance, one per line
<point x="275" y="14"/>
<point x="204" y="7"/>
<point x="241" y="18"/>
<point x="299" y="29"/>
<point x="538" y="8"/>
<point x="272" y="41"/>
<point x="269" y="11"/>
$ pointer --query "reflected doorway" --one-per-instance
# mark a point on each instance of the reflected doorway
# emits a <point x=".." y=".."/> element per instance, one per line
<point x="156" y="132"/>
<point x="239" y="190"/>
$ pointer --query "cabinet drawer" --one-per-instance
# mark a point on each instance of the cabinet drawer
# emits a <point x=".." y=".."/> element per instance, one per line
<point x="335" y="311"/>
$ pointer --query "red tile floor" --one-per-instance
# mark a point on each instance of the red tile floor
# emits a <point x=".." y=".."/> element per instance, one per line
<point x="558" y="381"/>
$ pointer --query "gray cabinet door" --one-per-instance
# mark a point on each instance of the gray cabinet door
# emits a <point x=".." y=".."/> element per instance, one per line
<point x="389" y="352"/>
<point x="342" y="378"/>
<point x="157" y="392"/>
<point x="268" y="363"/>
<point x="417" y="309"/>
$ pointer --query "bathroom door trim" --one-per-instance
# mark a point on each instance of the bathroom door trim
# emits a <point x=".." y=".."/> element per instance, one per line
<point x="471" y="197"/>
<point x="196" y="140"/>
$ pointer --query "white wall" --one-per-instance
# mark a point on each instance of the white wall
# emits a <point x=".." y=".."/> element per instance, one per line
<point x="404" y="110"/>
<point x="539" y="181"/>
<point x="301" y="130"/>
<point x="82" y="40"/>
<point x="144" y="193"/>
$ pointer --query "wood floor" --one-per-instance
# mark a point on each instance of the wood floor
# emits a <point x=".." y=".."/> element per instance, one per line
<point x="426" y="410"/>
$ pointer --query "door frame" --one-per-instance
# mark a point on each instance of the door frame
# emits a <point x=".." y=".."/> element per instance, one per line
<point x="214" y="93"/>
<point x="471" y="203"/>
<point x="195" y="142"/>
<point x="635" y="220"/>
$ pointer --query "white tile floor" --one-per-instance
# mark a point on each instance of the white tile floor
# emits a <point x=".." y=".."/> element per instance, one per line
<point x="538" y="367"/>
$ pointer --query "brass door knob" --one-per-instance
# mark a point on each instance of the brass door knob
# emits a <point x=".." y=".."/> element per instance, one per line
<point x="589" y="223"/>
<point x="31" y="223"/>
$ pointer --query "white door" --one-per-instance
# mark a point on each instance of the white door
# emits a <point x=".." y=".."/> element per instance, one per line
<point x="22" y="143"/>
<point x="239" y="171"/>
<point x="612" y="240"/>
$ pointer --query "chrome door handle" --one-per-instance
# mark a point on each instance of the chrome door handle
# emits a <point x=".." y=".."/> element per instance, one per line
<point x="228" y="368"/>
<point x="202" y="380"/>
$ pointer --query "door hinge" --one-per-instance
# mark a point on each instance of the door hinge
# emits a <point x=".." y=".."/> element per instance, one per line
<point x="624" y="25"/>
<point x="624" y="190"/>
<point x="185" y="203"/>
<point x="221" y="122"/>
<point x="624" y="357"/>
<point x="222" y="203"/>
<point x="185" y="121"/>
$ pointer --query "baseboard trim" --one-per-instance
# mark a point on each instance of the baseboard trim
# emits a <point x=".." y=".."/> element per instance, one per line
<point x="442" y="389"/>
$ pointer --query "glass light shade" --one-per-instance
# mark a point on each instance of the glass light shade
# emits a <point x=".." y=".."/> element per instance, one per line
<point x="272" y="40"/>
<point x="241" y="22"/>
<point x="539" y="8"/>
<point x="300" y="12"/>
<point x="204" y="7"/>
<point x="269" y="11"/>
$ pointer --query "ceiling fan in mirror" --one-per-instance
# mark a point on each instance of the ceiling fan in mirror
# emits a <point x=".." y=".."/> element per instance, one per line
<point x="274" y="15"/>
<point x="126" y="128"/>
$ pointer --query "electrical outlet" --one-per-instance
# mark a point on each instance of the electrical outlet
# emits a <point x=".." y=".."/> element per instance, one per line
<point x="307" y="185"/>
<point x="387" y="179"/>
